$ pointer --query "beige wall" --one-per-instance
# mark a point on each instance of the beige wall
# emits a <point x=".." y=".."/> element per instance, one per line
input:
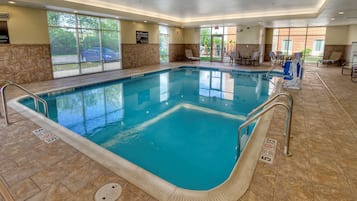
<point x="352" y="34"/>
<point x="337" y="35"/>
<point x="26" y="25"/>
<point x="191" y="35"/>
<point x="249" y="36"/>
<point x="176" y="35"/>
<point x="128" y="31"/>
<point x="269" y="36"/>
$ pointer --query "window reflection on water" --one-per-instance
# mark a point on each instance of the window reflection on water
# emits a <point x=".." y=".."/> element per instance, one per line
<point x="88" y="110"/>
<point x="164" y="87"/>
<point x="85" y="111"/>
<point x="221" y="84"/>
<point x="216" y="84"/>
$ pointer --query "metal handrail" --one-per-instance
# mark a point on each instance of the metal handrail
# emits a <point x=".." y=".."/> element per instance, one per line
<point x="287" y="125"/>
<point x="2" y="81"/>
<point x="34" y="96"/>
<point x="290" y="99"/>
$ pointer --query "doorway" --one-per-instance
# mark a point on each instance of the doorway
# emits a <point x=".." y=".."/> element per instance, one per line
<point x="217" y="48"/>
<point x="217" y="43"/>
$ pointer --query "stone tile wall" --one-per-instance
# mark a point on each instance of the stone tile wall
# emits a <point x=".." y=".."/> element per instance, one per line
<point x="177" y="52"/>
<point x="25" y="63"/>
<point x="247" y="49"/>
<point x="135" y="55"/>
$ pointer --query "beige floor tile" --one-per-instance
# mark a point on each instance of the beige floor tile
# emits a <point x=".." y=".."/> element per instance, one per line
<point x="81" y="177"/>
<point x="322" y="167"/>
<point x="24" y="189"/>
<point x="55" y="192"/>
<point x="109" y="177"/>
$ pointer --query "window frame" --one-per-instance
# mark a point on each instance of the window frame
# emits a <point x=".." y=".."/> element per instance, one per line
<point x="73" y="22"/>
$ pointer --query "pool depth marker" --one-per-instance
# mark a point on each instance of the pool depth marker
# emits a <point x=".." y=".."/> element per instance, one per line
<point x="268" y="151"/>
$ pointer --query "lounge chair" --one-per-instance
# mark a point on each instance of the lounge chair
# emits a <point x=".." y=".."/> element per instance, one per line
<point x="189" y="56"/>
<point x="273" y="58"/>
<point x="232" y="55"/>
<point x="254" y="59"/>
<point x="334" y="58"/>
<point x="354" y="73"/>
<point x="280" y="58"/>
<point x="235" y="57"/>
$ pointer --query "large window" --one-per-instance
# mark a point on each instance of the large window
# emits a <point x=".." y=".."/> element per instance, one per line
<point x="287" y="47"/>
<point x="83" y="44"/>
<point x="308" y="40"/>
<point x="318" y="46"/>
<point x="164" y="44"/>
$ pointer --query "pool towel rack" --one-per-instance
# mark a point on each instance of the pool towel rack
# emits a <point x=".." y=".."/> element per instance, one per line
<point x="36" y="99"/>
<point x="265" y="107"/>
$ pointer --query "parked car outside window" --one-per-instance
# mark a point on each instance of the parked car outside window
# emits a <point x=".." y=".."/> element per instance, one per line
<point x="93" y="55"/>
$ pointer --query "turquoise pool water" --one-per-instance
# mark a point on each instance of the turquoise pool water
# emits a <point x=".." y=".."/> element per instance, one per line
<point x="180" y="125"/>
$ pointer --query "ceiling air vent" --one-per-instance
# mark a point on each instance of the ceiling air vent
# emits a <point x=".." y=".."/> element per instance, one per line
<point x="4" y="16"/>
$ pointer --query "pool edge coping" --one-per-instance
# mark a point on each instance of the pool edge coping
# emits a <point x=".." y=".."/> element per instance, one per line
<point x="231" y="189"/>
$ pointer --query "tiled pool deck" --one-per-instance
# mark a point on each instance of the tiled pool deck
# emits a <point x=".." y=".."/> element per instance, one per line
<point x="323" y="165"/>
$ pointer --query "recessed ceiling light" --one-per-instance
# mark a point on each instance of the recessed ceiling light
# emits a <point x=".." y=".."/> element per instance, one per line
<point x="11" y="2"/>
<point x="341" y="13"/>
<point x="145" y="21"/>
<point x="75" y="11"/>
<point x="332" y="18"/>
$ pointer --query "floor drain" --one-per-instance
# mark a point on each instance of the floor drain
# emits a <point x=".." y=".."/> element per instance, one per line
<point x="108" y="192"/>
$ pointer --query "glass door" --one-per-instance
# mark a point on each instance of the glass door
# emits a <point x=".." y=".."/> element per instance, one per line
<point x="217" y="47"/>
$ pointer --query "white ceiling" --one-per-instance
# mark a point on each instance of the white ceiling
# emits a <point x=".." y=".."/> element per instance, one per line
<point x="269" y="13"/>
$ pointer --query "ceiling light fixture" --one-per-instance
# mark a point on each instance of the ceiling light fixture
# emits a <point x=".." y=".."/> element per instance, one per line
<point x="145" y="21"/>
<point x="75" y="11"/>
<point x="332" y="18"/>
<point x="11" y="2"/>
<point x="341" y="13"/>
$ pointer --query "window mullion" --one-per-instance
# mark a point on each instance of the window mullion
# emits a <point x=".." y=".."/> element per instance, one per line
<point x="78" y="48"/>
<point x="100" y="44"/>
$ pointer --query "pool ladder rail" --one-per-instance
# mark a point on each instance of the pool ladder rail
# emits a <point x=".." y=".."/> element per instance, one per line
<point x="265" y="107"/>
<point x="35" y="97"/>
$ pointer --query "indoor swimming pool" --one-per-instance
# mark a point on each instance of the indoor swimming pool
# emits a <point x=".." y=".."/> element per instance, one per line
<point x="180" y="124"/>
